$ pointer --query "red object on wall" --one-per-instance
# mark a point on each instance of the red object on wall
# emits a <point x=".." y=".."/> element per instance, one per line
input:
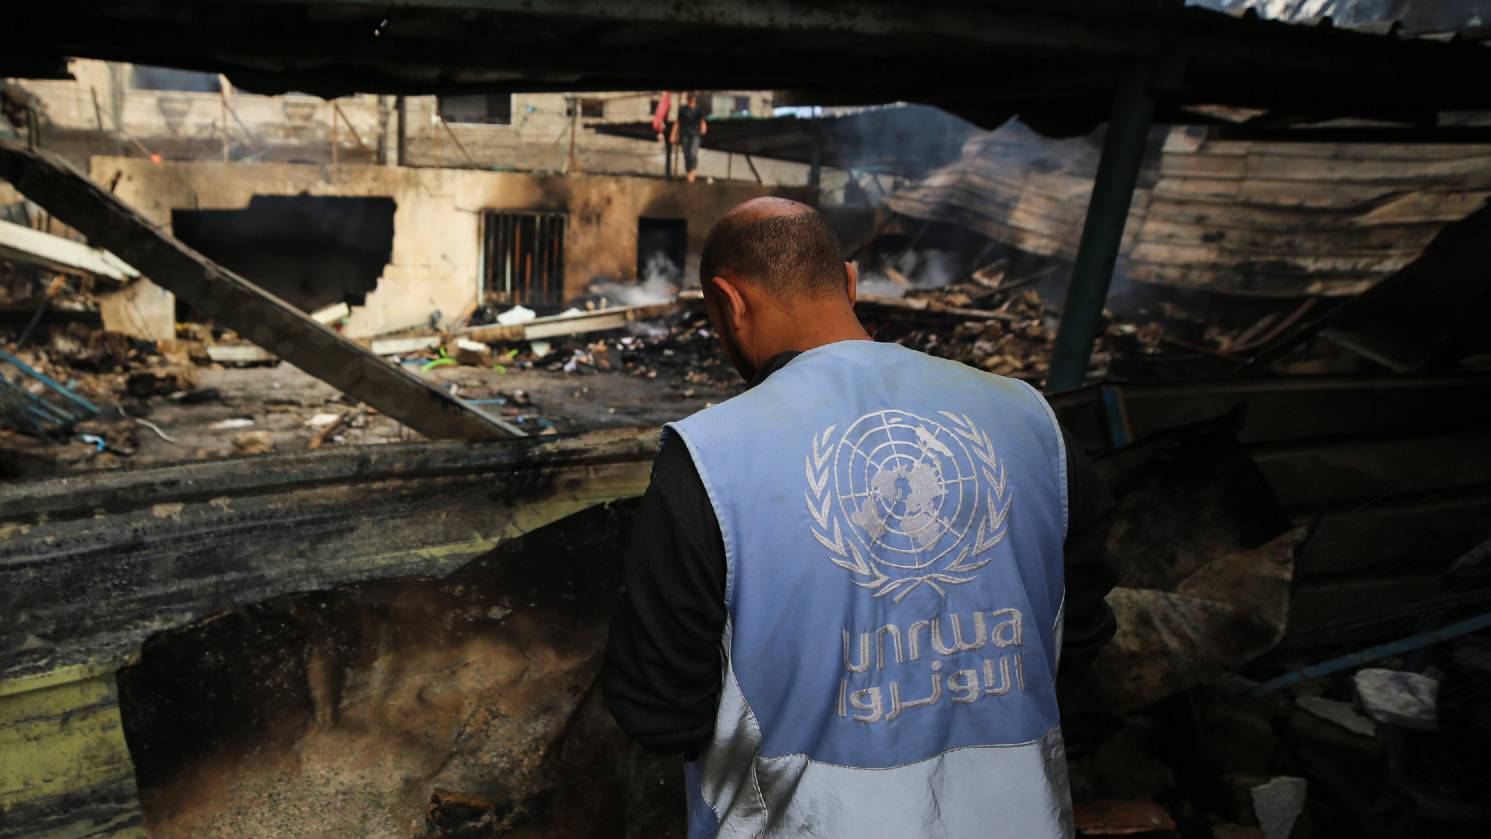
<point x="660" y="116"/>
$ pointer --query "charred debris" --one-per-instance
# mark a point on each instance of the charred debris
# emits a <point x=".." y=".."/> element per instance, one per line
<point x="315" y="531"/>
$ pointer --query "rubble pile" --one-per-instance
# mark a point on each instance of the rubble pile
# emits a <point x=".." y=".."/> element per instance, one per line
<point x="1222" y="709"/>
<point x="680" y="349"/>
<point x="1017" y="343"/>
<point x="69" y="363"/>
<point x="207" y="393"/>
<point x="1009" y="330"/>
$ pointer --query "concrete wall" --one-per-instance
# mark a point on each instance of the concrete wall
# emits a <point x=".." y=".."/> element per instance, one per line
<point x="436" y="259"/>
<point x="100" y="111"/>
<point x="538" y="140"/>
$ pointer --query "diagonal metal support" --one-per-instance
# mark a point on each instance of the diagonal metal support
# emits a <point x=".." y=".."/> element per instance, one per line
<point x="235" y="302"/>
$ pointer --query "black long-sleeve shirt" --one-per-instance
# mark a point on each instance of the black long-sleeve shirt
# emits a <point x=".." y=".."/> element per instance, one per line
<point x="663" y="666"/>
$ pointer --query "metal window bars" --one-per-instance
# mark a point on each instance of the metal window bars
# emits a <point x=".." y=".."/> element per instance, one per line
<point x="523" y="257"/>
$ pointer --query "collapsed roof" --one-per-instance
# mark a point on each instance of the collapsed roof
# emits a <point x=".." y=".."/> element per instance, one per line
<point x="1052" y="61"/>
<point x="1272" y="219"/>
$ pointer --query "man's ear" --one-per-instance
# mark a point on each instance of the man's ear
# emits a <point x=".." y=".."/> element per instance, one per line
<point x="851" y="283"/>
<point x="733" y="305"/>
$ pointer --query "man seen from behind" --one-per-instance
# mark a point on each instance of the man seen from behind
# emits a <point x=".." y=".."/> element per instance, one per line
<point x="848" y="588"/>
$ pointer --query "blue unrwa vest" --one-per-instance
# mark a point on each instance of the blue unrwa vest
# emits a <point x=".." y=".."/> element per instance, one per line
<point x="893" y="528"/>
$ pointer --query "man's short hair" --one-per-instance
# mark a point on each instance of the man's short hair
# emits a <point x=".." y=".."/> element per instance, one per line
<point x="788" y="254"/>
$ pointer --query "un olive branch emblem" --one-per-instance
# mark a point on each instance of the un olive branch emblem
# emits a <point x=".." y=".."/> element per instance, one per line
<point x="919" y="502"/>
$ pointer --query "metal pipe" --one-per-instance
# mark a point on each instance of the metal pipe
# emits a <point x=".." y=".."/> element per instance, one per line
<point x="1377" y="653"/>
<point x="1107" y="211"/>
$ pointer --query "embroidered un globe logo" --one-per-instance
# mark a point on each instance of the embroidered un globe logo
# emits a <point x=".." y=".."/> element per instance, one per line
<point x="898" y="500"/>
<point x="907" y="485"/>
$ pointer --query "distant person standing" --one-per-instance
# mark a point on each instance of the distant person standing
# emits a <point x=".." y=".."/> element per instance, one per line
<point x="687" y="131"/>
<point x="661" y="127"/>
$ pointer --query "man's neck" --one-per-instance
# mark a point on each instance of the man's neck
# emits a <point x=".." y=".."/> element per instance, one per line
<point x="807" y="328"/>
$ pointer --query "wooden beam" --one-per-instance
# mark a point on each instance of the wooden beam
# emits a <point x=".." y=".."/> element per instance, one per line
<point x="233" y="301"/>
<point x="1379" y="134"/>
<point x="599" y="320"/>
<point x="24" y="244"/>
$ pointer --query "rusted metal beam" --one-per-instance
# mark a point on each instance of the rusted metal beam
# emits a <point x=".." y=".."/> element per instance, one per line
<point x="233" y="301"/>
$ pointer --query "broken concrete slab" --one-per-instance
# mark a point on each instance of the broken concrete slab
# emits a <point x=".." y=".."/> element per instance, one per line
<point x="1396" y="697"/>
<point x="141" y="309"/>
<point x="95" y="564"/>
<point x="239" y="304"/>
<point x="1279" y="804"/>
<point x="1205" y="564"/>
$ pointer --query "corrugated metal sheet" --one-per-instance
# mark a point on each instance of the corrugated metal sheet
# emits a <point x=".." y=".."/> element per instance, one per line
<point x="1258" y="218"/>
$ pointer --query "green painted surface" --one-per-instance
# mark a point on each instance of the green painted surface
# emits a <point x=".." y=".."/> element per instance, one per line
<point x="62" y="742"/>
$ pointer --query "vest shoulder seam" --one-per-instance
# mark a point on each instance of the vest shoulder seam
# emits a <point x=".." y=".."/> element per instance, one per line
<point x="1061" y="476"/>
<point x="714" y="505"/>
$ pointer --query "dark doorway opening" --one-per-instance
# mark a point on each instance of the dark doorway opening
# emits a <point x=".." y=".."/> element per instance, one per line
<point x="661" y="244"/>
<point x="313" y="251"/>
<point x="523" y="257"/>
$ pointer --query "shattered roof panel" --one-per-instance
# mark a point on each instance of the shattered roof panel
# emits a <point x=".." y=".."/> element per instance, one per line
<point x="1256" y="218"/>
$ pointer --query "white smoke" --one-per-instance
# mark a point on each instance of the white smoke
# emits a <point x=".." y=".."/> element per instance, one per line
<point x="925" y="269"/>
<point x="658" y="284"/>
<point x="660" y="268"/>
<point x="876" y="285"/>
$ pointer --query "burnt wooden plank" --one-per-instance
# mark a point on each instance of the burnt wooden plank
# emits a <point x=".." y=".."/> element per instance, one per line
<point x="235" y="302"/>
